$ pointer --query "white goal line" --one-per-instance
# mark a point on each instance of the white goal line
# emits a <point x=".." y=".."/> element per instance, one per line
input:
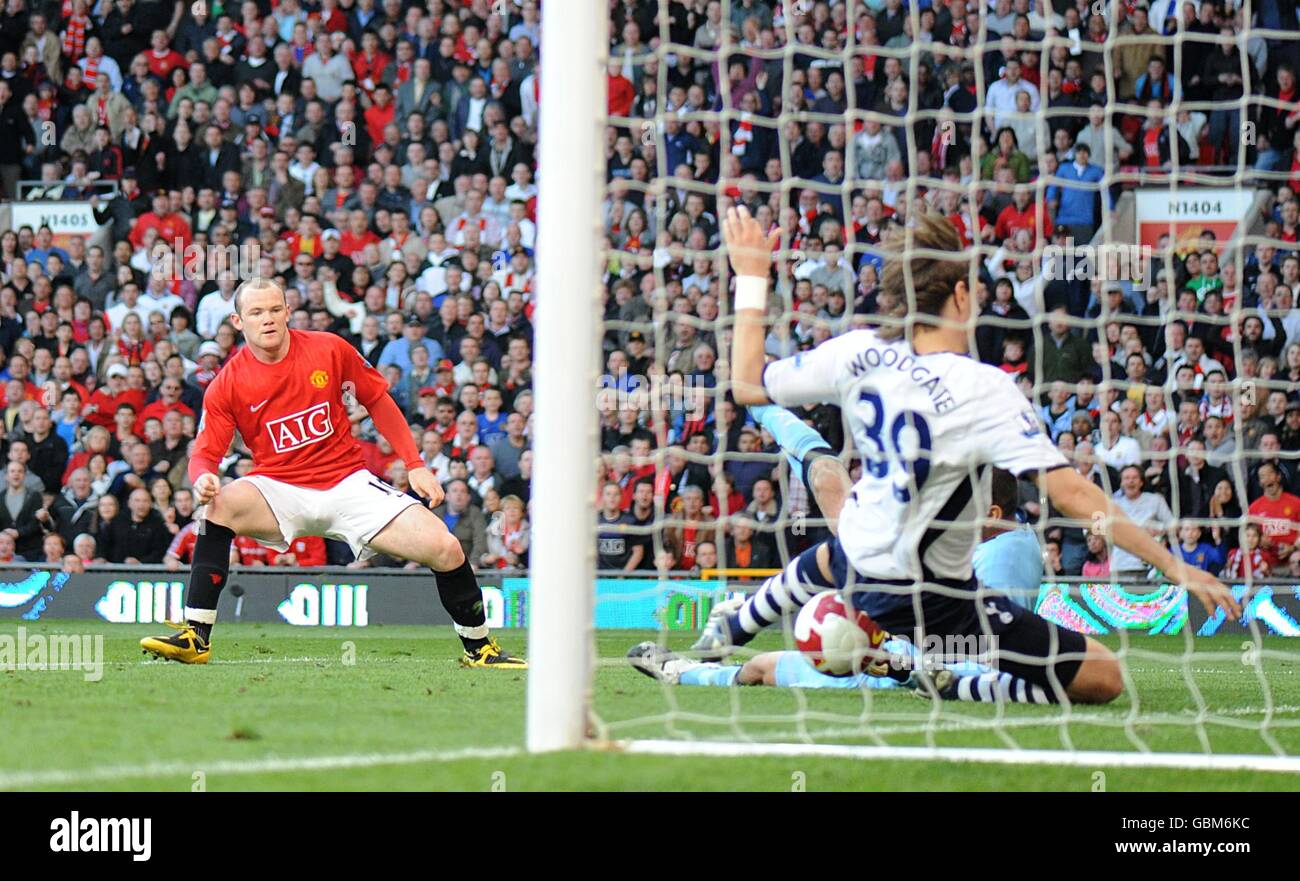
<point x="1077" y="758"/>
<point x="10" y="780"/>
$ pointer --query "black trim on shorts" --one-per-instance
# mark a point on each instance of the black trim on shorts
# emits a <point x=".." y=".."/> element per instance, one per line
<point x="810" y="457"/>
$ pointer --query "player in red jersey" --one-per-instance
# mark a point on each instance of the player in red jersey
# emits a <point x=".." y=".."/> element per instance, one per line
<point x="283" y="393"/>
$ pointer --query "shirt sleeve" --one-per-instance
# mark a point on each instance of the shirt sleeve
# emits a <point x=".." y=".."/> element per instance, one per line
<point x="1011" y="434"/>
<point x="215" y="432"/>
<point x="372" y="393"/>
<point x="812" y="377"/>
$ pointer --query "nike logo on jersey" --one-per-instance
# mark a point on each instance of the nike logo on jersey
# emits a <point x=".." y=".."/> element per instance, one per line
<point x="254" y="409"/>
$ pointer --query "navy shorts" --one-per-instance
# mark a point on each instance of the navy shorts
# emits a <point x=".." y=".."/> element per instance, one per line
<point x="1028" y="646"/>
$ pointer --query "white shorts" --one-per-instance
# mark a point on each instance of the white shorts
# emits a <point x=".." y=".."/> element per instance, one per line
<point x="354" y="510"/>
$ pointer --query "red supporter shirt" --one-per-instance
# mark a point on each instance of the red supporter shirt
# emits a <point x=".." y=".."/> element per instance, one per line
<point x="309" y="550"/>
<point x="1277" y="518"/>
<point x="157" y="410"/>
<point x="162" y="65"/>
<point x="1011" y="220"/>
<point x="106" y="405"/>
<point x="182" y="546"/>
<point x="252" y="552"/>
<point x="291" y="414"/>
<point x="170" y="228"/>
<point x="354" y="246"/>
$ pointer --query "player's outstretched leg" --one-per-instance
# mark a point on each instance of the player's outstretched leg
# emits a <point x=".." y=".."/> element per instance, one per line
<point x="239" y="509"/>
<point x="732" y="624"/>
<point x="782" y="594"/>
<point x="416" y="534"/>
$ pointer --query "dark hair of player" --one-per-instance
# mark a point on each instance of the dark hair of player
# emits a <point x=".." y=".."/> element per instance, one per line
<point x="1004" y="490"/>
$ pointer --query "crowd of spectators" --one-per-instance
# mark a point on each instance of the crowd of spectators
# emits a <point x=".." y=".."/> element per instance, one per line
<point x="378" y="158"/>
<point x="1171" y="383"/>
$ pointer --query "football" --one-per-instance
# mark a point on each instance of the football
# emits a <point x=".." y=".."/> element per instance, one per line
<point x="834" y="637"/>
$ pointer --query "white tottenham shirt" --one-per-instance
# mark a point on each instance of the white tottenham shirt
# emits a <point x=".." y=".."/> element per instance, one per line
<point x="926" y="425"/>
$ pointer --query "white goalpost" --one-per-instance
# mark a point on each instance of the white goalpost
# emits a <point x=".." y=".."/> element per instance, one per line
<point x="571" y="179"/>
<point x="1147" y="728"/>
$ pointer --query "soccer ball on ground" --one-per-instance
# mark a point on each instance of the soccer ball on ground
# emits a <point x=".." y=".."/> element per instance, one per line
<point x="835" y="638"/>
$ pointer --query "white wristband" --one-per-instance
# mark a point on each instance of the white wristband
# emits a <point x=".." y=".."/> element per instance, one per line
<point x="751" y="293"/>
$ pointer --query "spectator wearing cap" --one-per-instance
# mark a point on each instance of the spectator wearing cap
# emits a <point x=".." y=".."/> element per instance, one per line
<point x="209" y="362"/>
<point x="398" y="351"/>
<point x="444" y="381"/>
<point x="101" y="409"/>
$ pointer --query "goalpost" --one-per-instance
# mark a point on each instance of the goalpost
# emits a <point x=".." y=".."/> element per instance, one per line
<point x="571" y="180"/>
<point x="562" y="712"/>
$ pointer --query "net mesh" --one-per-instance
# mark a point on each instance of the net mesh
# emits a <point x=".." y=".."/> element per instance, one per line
<point x="838" y="121"/>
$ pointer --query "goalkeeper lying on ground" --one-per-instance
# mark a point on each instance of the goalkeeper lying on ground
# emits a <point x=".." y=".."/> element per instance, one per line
<point x="1009" y="558"/>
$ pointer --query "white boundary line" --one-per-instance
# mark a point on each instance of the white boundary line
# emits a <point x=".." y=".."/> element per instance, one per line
<point x="1082" y="758"/>
<point x="270" y="765"/>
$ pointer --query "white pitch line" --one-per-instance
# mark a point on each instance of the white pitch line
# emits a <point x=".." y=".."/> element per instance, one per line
<point x="270" y="765"/>
<point x="1079" y="758"/>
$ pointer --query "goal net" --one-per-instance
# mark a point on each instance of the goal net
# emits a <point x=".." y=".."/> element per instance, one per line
<point x="1121" y="175"/>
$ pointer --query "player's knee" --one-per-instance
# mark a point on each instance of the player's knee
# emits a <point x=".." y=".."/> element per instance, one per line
<point x="1099" y="680"/>
<point x="1104" y="687"/>
<point x="446" y="553"/>
<point x="828" y="475"/>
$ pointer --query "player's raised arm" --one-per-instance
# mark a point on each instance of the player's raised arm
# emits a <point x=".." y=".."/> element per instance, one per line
<point x="372" y="393"/>
<point x="1079" y="498"/>
<point x="750" y="251"/>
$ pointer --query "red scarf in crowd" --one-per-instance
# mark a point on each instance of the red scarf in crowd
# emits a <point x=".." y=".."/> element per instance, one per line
<point x="74" y="37"/>
<point x="1151" y="147"/>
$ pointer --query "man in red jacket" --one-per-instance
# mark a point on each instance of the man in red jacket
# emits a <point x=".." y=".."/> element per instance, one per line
<point x="1022" y="213"/>
<point x="101" y="409"/>
<point x="171" y="226"/>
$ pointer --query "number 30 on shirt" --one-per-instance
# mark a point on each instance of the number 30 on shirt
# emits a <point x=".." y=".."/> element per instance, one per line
<point x="896" y="449"/>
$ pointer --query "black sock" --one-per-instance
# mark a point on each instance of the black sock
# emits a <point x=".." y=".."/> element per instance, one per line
<point x="208" y="574"/>
<point x="461" y="597"/>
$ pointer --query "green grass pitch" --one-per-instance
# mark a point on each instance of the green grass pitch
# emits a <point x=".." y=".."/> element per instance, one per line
<point x="282" y="708"/>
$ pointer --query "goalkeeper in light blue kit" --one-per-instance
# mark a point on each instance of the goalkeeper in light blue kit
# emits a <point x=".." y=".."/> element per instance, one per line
<point x="1009" y="558"/>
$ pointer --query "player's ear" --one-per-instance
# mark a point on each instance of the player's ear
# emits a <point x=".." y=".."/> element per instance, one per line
<point x="995" y="513"/>
<point x="961" y="298"/>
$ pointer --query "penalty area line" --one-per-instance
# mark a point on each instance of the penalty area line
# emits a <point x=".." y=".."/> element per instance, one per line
<point x="269" y="765"/>
<point x="1080" y="758"/>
